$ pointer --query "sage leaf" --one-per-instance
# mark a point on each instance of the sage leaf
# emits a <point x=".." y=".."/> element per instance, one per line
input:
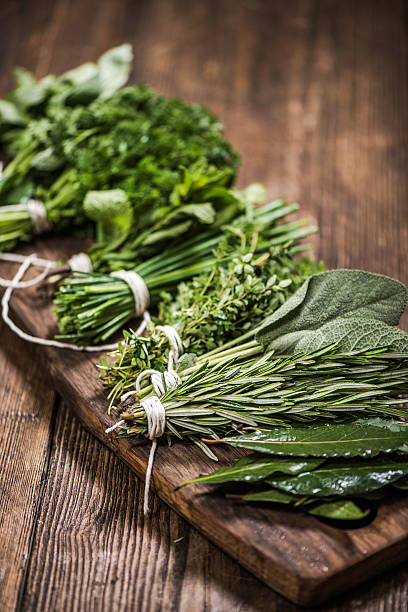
<point x="352" y="308"/>
<point x="351" y="477"/>
<point x="257" y="467"/>
<point x="351" y="439"/>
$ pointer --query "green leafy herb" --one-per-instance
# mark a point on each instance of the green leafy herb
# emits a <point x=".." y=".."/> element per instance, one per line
<point x="243" y="281"/>
<point x="83" y="132"/>
<point x="217" y="397"/>
<point x="357" y="438"/>
<point x="351" y="308"/>
<point x="343" y="477"/>
<point x="257" y="467"/>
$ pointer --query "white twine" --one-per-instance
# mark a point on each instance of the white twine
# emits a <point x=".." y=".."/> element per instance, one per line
<point x="35" y="261"/>
<point x="37" y="212"/>
<point x="175" y="342"/>
<point x="17" y="283"/>
<point x="137" y="287"/>
<point x="80" y="262"/>
<point x="155" y="412"/>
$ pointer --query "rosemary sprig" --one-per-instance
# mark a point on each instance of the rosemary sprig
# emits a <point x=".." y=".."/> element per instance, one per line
<point x="216" y="398"/>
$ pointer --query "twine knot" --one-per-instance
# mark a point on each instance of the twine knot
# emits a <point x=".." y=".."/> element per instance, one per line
<point x="38" y="214"/>
<point x="80" y="262"/>
<point x="137" y="287"/>
<point x="153" y="407"/>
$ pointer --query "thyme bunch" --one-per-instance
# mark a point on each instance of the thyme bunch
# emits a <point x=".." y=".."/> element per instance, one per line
<point x="213" y="309"/>
<point x="92" y="307"/>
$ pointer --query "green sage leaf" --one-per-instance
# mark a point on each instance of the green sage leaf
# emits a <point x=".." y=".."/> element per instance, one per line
<point x="353" y="308"/>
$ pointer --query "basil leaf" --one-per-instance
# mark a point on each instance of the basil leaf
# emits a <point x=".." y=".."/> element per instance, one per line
<point x="10" y="114"/>
<point x="106" y="205"/>
<point x="114" y="69"/>
<point x="257" y="467"/>
<point x="111" y="210"/>
<point x="350" y="307"/>
<point x="47" y="161"/>
<point x="352" y="439"/>
<point x="30" y="92"/>
<point x="351" y="477"/>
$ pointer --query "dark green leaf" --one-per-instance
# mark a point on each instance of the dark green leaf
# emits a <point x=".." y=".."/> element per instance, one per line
<point x="350" y="477"/>
<point x="257" y="467"/>
<point x="351" y="439"/>
<point x="401" y="484"/>
<point x="270" y="495"/>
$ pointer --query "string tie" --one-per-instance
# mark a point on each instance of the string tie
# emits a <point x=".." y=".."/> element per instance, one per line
<point x="138" y="288"/>
<point x="153" y="407"/>
<point x="37" y="212"/>
<point x="80" y="262"/>
<point x="17" y="283"/>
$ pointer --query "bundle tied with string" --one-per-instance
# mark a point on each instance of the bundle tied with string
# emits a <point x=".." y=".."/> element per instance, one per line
<point x="153" y="407"/>
<point x="36" y="211"/>
<point x="140" y="293"/>
<point x="79" y="263"/>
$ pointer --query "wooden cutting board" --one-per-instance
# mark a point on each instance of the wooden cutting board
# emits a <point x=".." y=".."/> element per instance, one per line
<point x="303" y="558"/>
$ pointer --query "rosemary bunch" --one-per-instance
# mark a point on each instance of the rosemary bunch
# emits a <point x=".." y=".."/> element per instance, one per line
<point x="92" y="307"/>
<point x="219" y="397"/>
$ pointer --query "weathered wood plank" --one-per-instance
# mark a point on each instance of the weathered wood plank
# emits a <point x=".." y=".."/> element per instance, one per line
<point x="93" y="550"/>
<point x="25" y="435"/>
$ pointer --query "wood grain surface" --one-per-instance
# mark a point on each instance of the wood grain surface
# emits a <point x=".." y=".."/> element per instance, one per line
<point x="314" y="95"/>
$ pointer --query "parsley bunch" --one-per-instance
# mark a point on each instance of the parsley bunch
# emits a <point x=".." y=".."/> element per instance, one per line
<point x="82" y="134"/>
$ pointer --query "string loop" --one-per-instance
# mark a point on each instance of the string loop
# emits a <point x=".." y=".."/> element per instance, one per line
<point x="138" y="288"/>
<point x="153" y="407"/>
<point x="17" y="283"/>
<point x="80" y="262"/>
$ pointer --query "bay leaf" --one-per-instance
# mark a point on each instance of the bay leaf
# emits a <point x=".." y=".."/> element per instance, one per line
<point x="350" y="477"/>
<point x="360" y="438"/>
<point x="342" y="509"/>
<point x="269" y="495"/>
<point x="257" y="467"/>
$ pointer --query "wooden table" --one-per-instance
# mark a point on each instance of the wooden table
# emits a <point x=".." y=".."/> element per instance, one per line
<point x="314" y="95"/>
